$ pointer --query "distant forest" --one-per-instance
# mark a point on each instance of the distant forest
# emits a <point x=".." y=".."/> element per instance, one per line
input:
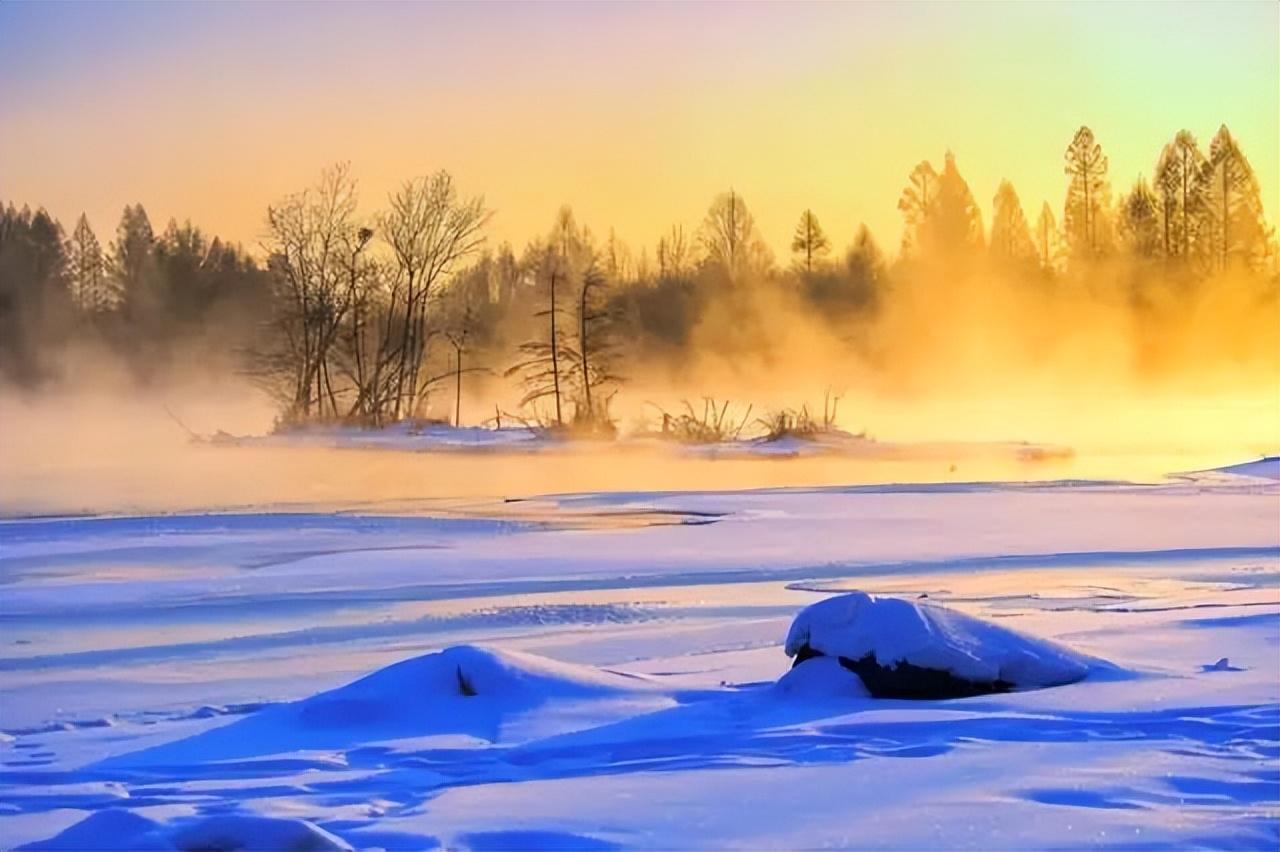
<point x="372" y="319"/>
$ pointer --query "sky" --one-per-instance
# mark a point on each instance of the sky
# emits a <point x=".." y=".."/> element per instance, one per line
<point x="635" y="114"/>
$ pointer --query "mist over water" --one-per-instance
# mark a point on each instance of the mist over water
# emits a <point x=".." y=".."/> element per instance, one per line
<point x="132" y="450"/>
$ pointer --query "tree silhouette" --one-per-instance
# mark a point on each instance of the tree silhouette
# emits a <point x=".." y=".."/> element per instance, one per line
<point x="87" y="270"/>
<point x="955" y="225"/>
<point x="1087" y="194"/>
<point x="1179" y="187"/>
<point x="809" y="242"/>
<point x="917" y="204"/>
<point x="594" y="351"/>
<point x="565" y="258"/>
<point x="866" y="267"/>
<point x="132" y="265"/>
<point x="1010" y="236"/>
<point x="307" y="236"/>
<point x="35" y="303"/>
<point x="430" y="231"/>
<point x="674" y="253"/>
<point x="1048" y="240"/>
<point x="730" y="240"/>
<point x="1140" y="227"/>
<point x="1232" y="204"/>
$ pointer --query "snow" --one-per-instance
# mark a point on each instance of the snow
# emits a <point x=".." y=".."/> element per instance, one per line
<point x="895" y="631"/>
<point x="426" y="437"/>
<point x="444" y="438"/>
<point x="463" y="690"/>
<point x="111" y="830"/>
<point x="1267" y="467"/>
<point x="272" y="677"/>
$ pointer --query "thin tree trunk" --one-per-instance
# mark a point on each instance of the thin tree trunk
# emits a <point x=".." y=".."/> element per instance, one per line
<point x="1226" y="211"/>
<point x="555" y="354"/>
<point x="457" y="382"/>
<point x="582" y="348"/>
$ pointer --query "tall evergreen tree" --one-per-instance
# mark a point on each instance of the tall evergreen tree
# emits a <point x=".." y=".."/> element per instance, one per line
<point x="809" y="244"/>
<point x="866" y="267"/>
<point x="917" y="203"/>
<point x="1048" y="238"/>
<point x="1180" y="191"/>
<point x="956" y="223"/>
<point x="132" y="263"/>
<point x="1010" y="236"/>
<point x="1088" y="195"/>
<point x="87" y="271"/>
<point x="1140" y="221"/>
<point x="1233" y="225"/>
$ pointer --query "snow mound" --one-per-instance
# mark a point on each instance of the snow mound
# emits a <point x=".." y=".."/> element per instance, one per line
<point x="820" y="677"/>
<point x="912" y="649"/>
<point x="1267" y="467"/>
<point x="115" y="829"/>
<point x="110" y="830"/>
<point x="235" y="832"/>
<point x="465" y="689"/>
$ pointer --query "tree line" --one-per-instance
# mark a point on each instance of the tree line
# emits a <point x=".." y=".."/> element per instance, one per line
<point x="373" y="318"/>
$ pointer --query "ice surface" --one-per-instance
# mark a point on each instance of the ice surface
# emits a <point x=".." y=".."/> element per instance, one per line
<point x="190" y="676"/>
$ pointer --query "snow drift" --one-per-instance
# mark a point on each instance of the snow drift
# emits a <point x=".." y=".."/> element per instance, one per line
<point x="113" y="829"/>
<point x="911" y="649"/>
<point x="1267" y="467"/>
<point x="464" y="690"/>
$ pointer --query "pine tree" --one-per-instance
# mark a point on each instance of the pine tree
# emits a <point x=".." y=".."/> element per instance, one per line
<point x="131" y="263"/>
<point x="917" y="204"/>
<point x="1048" y="239"/>
<point x="956" y="223"/>
<point x="1140" y="226"/>
<point x="86" y="269"/>
<point x="809" y="243"/>
<point x="1233" y="225"/>
<point x="1088" y="195"/>
<point x="1010" y="236"/>
<point x="1180" y="192"/>
<point x="865" y="265"/>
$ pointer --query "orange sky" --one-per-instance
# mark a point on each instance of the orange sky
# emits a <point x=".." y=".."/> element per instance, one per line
<point x="635" y="114"/>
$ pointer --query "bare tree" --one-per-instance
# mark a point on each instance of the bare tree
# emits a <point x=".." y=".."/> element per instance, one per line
<point x="462" y="329"/>
<point x="563" y="266"/>
<point x="674" y="253"/>
<point x="730" y="239"/>
<point x="430" y="230"/>
<point x="309" y="236"/>
<point x="595" y="351"/>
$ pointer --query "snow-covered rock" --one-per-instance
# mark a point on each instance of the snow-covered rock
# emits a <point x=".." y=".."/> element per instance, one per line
<point x="914" y="649"/>
<point x="242" y="832"/>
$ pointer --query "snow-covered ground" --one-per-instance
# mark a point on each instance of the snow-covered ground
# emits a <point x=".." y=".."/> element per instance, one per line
<point x="606" y="670"/>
